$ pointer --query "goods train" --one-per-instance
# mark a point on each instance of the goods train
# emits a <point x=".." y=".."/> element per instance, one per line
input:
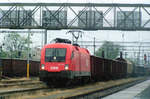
<point x="64" y="61"/>
<point x="70" y="62"/>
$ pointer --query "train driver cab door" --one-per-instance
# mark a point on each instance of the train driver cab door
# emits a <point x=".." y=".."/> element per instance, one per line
<point x="75" y="61"/>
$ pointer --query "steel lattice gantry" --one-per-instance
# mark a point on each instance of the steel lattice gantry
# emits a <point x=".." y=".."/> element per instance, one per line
<point x="87" y="16"/>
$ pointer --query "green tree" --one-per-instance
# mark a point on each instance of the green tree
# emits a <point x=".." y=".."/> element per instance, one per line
<point x="15" y="45"/>
<point x="111" y="50"/>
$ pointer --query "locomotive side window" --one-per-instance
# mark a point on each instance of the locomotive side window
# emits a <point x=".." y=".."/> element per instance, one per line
<point x="72" y="55"/>
<point x="55" y="54"/>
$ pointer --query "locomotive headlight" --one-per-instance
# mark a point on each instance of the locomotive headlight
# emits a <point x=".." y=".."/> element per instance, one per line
<point x="42" y="66"/>
<point x="66" y="66"/>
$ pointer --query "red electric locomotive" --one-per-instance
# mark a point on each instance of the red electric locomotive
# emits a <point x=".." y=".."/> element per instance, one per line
<point x="64" y="61"/>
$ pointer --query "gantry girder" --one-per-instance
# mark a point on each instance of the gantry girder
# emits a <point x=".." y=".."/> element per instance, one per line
<point x="86" y="16"/>
<point x="76" y="4"/>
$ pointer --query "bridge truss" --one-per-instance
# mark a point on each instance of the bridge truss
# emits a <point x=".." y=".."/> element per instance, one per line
<point x="86" y="16"/>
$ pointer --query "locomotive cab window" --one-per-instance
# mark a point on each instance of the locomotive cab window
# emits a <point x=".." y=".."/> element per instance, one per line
<point x="55" y="55"/>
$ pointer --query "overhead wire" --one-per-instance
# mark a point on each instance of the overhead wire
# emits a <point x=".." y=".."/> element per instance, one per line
<point x="91" y="37"/>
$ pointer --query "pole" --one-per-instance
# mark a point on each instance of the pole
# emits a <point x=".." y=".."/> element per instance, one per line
<point x="94" y="45"/>
<point x="123" y="45"/>
<point x="148" y="58"/>
<point x="139" y="54"/>
<point x="1" y="69"/>
<point x="45" y="38"/>
<point x="28" y="54"/>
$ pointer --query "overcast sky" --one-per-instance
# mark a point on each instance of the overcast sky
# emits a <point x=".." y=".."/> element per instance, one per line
<point x="89" y="35"/>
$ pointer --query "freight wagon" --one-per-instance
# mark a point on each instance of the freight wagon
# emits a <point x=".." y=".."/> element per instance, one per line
<point x="130" y="67"/>
<point x="18" y="67"/>
<point x="104" y="69"/>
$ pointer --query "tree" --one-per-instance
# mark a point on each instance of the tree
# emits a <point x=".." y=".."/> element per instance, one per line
<point x="15" y="45"/>
<point x="111" y="50"/>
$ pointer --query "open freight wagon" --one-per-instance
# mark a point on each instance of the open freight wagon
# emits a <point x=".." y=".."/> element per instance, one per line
<point x="105" y="69"/>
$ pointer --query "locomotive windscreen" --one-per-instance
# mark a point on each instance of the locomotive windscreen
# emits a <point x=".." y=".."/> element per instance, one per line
<point x="55" y="54"/>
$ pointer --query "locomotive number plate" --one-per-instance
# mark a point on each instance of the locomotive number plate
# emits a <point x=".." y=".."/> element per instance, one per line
<point x="54" y="68"/>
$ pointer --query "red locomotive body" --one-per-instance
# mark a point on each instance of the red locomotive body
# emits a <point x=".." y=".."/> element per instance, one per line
<point x="60" y="60"/>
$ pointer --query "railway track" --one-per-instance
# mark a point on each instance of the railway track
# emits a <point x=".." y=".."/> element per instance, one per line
<point x="19" y="92"/>
<point x="98" y="94"/>
<point x="79" y="92"/>
<point x="17" y="80"/>
<point x="18" y="83"/>
<point x="93" y="91"/>
<point x="19" y="87"/>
